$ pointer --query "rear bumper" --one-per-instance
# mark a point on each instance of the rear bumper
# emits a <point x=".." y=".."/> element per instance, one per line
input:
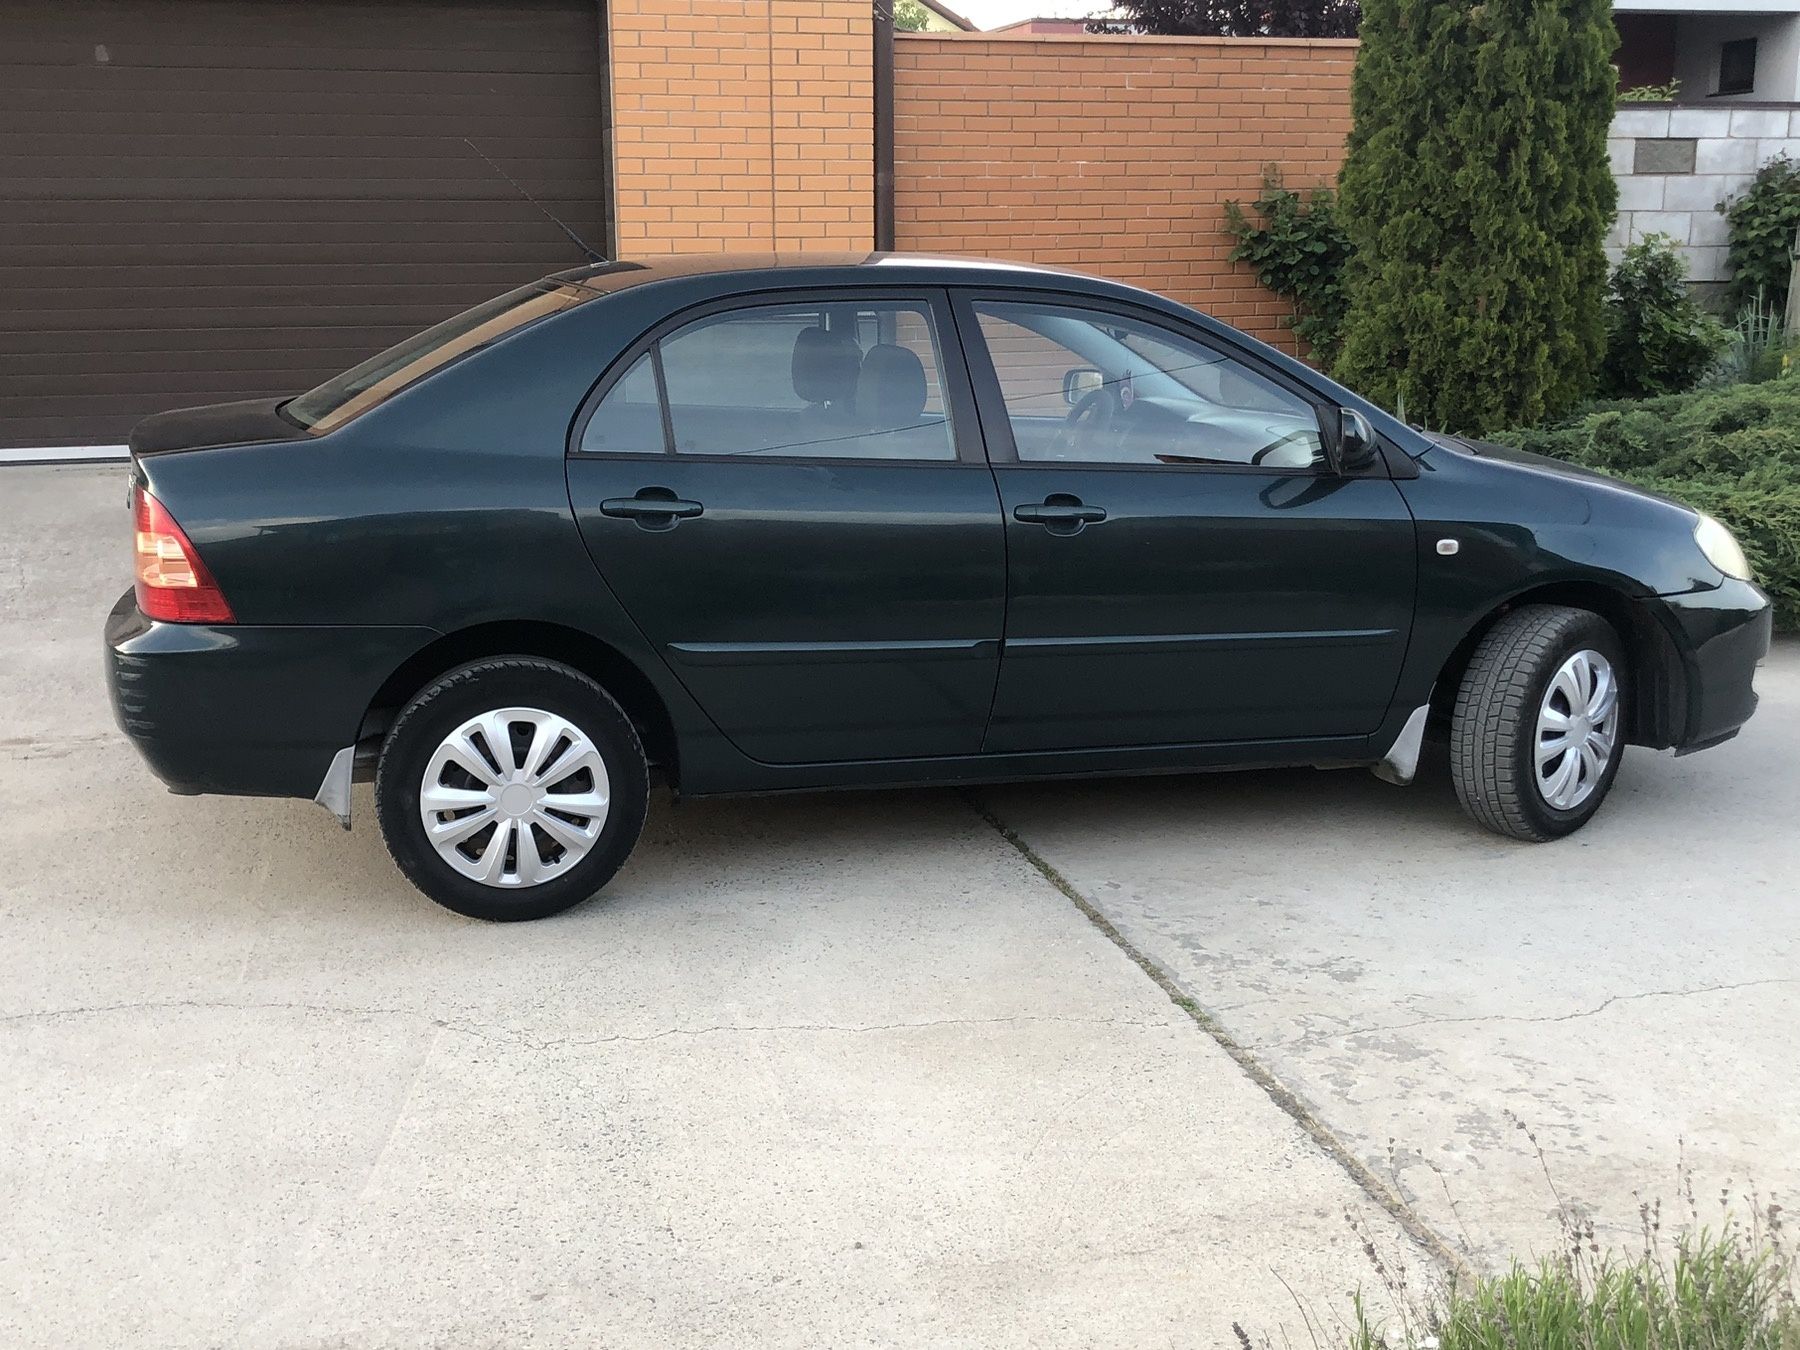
<point x="1722" y="634"/>
<point x="243" y="709"/>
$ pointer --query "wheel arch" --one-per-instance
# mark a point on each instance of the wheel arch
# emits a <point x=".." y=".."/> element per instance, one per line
<point x="606" y="665"/>
<point x="1656" y="709"/>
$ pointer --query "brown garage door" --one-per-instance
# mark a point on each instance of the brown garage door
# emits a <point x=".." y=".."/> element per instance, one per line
<point x="217" y="199"/>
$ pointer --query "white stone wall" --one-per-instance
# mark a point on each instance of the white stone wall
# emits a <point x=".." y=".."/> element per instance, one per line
<point x="1698" y="37"/>
<point x="1730" y="144"/>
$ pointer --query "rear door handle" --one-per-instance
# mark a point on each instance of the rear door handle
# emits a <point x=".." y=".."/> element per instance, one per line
<point x="1061" y="513"/>
<point x="652" y="508"/>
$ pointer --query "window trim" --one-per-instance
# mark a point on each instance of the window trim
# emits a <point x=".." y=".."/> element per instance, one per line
<point x="991" y="399"/>
<point x="953" y="377"/>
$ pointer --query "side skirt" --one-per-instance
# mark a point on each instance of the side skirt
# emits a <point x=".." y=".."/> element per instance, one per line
<point x="728" y="775"/>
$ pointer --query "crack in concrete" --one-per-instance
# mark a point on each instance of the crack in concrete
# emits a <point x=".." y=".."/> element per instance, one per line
<point x="21" y="747"/>
<point x="1319" y="1037"/>
<point x="413" y="1080"/>
<point x="1385" y="1197"/>
<point x="513" y="1035"/>
<point x="849" y="1028"/>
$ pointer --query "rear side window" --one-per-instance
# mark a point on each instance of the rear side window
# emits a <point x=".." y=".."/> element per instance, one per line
<point x="629" y="421"/>
<point x="378" y="379"/>
<point x="850" y="380"/>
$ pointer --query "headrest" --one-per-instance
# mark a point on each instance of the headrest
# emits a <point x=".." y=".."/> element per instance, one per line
<point x="825" y="365"/>
<point x="890" y="391"/>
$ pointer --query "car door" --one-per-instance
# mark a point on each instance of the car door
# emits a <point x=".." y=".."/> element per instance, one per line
<point x="1183" y="564"/>
<point x="789" y="497"/>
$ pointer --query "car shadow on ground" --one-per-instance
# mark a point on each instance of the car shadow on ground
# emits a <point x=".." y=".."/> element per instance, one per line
<point x="818" y="839"/>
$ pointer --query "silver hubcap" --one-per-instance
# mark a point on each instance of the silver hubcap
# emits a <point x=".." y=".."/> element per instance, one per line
<point x="1577" y="730"/>
<point x="514" y="797"/>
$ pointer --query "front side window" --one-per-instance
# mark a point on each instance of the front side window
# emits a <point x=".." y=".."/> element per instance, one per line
<point x="1093" y="387"/>
<point x="849" y="380"/>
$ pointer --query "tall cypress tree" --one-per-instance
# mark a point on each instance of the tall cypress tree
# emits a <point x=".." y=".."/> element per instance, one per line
<point x="1476" y="192"/>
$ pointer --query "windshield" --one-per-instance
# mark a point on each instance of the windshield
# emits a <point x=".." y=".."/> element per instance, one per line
<point x="381" y="377"/>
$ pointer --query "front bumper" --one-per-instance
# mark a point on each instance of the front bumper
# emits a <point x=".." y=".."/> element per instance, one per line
<point x="1722" y="635"/>
<point x="245" y="710"/>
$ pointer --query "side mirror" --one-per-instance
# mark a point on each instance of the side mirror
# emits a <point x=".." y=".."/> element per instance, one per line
<point x="1080" y="382"/>
<point x="1355" y="441"/>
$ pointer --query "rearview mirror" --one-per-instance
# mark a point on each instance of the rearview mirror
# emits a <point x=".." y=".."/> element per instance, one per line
<point x="1080" y="382"/>
<point x="1355" y="441"/>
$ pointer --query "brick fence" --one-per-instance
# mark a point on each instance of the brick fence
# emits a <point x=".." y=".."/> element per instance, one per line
<point x="1113" y="155"/>
<point x="741" y="125"/>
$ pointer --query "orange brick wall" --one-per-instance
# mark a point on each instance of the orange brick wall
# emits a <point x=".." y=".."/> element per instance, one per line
<point x="1113" y="154"/>
<point x="741" y="125"/>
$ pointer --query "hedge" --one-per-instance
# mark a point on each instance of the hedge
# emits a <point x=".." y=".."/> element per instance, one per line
<point x="1733" y="453"/>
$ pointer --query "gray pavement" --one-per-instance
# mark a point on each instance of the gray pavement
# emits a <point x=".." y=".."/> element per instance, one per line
<point x="1630" y="994"/>
<point x="813" y="1071"/>
<point x="841" y="1069"/>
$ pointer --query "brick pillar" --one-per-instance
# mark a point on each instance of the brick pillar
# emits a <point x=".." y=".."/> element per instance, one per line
<point x="741" y="125"/>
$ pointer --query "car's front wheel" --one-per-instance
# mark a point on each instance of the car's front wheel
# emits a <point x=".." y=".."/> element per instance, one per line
<point x="1538" y="730"/>
<point x="511" y="788"/>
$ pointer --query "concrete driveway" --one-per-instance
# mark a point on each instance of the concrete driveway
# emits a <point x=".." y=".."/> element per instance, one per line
<point x="1631" y="995"/>
<point x="842" y="1069"/>
<point x="813" y="1071"/>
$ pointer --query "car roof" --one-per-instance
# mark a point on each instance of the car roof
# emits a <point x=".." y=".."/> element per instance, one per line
<point x="752" y="271"/>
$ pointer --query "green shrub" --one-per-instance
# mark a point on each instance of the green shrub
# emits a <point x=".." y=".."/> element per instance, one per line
<point x="1298" y="250"/>
<point x="1756" y="348"/>
<point x="1476" y="192"/>
<point x="1763" y="219"/>
<point x="1658" y="341"/>
<point x="1733" y="453"/>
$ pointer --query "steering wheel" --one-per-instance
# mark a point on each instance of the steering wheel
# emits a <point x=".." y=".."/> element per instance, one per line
<point x="1099" y="407"/>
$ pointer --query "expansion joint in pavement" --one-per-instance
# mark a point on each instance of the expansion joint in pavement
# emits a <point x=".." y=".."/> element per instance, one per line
<point x="1372" y="1185"/>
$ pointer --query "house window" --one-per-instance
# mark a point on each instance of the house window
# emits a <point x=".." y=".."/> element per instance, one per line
<point x="1737" y="66"/>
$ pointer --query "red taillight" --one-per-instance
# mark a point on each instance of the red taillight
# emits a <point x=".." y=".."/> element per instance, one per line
<point x="173" y="585"/>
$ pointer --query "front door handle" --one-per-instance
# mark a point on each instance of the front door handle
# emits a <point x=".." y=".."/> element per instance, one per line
<point x="1061" y="513"/>
<point x="654" y="508"/>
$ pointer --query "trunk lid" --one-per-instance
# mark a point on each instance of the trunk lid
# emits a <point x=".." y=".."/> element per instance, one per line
<point x="255" y="421"/>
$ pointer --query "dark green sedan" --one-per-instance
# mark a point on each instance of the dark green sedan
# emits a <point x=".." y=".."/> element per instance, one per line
<point x="765" y="524"/>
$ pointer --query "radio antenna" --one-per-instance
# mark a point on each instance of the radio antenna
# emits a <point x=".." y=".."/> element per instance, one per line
<point x="549" y="215"/>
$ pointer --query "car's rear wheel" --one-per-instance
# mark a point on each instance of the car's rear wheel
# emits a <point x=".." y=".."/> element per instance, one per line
<point x="1538" y="730"/>
<point x="511" y="788"/>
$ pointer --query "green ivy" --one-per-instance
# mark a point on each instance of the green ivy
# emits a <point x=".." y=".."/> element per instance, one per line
<point x="1763" y="220"/>
<point x="1298" y="250"/>
<point x="1658" y="340"/>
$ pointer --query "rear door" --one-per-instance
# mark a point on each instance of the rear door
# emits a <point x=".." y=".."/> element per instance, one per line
<point x="1184" y="566"/>
<point x="790" y="498"/>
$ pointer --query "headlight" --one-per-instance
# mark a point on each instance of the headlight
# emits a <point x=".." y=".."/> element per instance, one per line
<point x="1721" y="550"/>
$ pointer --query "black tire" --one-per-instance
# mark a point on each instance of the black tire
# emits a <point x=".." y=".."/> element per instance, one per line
<point x="468" y="692"/>
<point x="1493" y="730"/>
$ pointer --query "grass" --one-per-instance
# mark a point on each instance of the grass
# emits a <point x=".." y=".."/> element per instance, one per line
<point x="1729" y="1289"/>
<point x="1730" y="1281"/>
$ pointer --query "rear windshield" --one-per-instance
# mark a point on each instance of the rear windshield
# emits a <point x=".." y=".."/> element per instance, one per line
<point x="381" y="377"/>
